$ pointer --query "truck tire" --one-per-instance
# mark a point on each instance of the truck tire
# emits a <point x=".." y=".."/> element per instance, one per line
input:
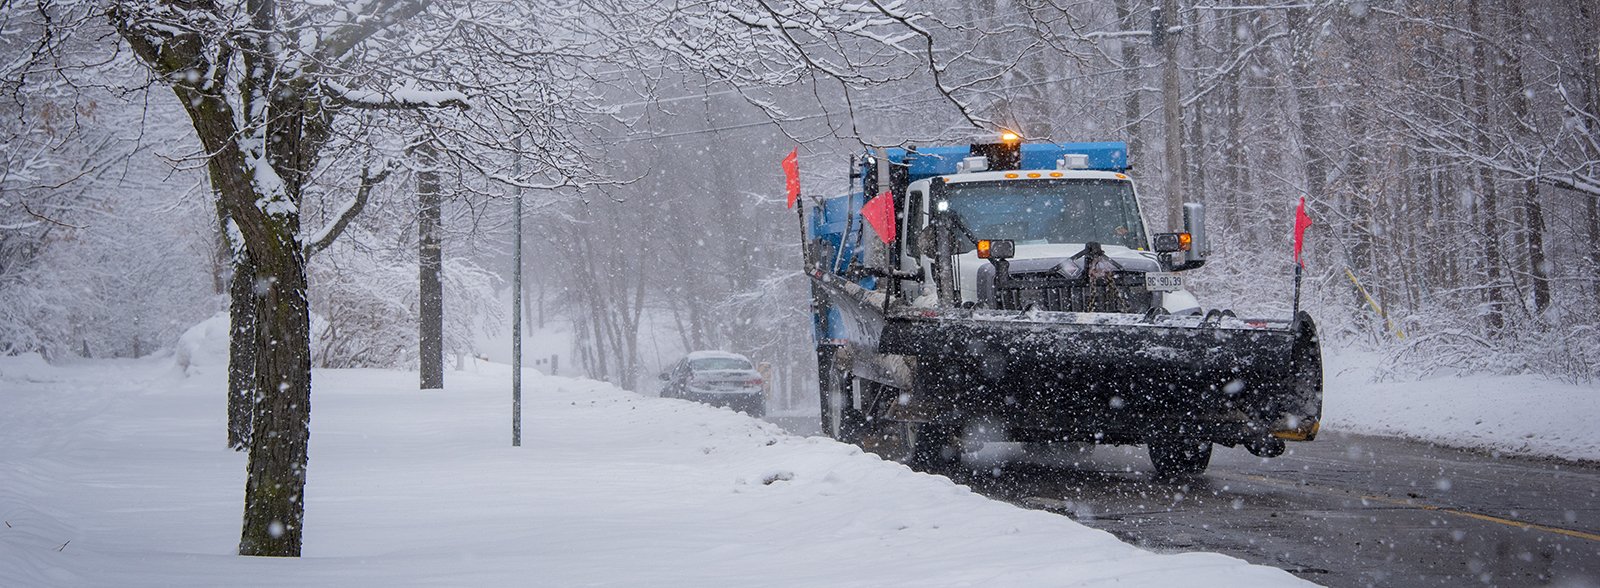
<point x="1174" y="458"/>
<point x="840" y="419"/>
<point x="934" y="445"/>
<point x="890" y="440"/>
<point x="827" y="385"/>
<point x="852" y="422"/>
<point x="829" y="411"/>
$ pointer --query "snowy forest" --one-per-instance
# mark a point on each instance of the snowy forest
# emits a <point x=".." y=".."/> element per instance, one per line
<point x="356" y="168"/>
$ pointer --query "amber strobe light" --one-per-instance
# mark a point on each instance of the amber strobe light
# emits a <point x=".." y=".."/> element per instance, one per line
<point x="1173" y="242"/>
<point x="996" y="248"/>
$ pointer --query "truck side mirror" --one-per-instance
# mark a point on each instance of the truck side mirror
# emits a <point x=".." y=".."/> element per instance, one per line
<point x="1194" y="223"/>
<point x="1186" y="250"/>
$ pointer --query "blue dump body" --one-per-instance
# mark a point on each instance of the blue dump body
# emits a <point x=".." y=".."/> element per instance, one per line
<point x="836" y="223"/>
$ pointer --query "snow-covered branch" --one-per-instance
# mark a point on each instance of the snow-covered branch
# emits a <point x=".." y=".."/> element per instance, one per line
<point x="398" y="99"/>
<point x="347" y="213"/>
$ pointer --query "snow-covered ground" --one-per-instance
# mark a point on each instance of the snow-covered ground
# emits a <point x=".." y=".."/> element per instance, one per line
<point x="114" y="473"/>
<point x="1526" y="415"/>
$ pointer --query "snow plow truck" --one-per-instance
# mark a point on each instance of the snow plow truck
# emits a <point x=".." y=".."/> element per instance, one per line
<point x="1013" y="286"/>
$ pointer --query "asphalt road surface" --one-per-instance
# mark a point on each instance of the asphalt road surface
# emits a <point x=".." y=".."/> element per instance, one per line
<point x="1344" y="510"/>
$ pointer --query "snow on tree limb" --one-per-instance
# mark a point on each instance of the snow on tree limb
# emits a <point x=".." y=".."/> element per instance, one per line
<point x="403" y="98"/>
<point x="347" y="213"/>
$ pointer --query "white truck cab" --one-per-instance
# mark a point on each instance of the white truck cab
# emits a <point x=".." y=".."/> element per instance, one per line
<point x="1047" y="214"/>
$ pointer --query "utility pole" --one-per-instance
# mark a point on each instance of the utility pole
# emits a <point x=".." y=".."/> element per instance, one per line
<point x="516" y="302"/>
<point x="1162" y="25"/>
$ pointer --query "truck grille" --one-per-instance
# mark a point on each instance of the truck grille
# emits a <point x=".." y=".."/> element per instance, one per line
<point x="1124" y="292"/>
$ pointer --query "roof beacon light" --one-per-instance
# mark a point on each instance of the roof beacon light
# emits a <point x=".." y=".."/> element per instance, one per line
<point x="1009" y="137"/>
<point x="1073" y="161"/>
<point x="976" y="163"/>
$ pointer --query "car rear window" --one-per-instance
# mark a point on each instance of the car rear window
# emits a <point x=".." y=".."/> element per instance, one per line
<point x="719" y="363"/>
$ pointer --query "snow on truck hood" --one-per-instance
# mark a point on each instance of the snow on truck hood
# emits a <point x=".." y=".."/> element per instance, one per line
<point x="967" y="264"/>
<point x="1035" y="256"/>
<point x="1131" y="259"/>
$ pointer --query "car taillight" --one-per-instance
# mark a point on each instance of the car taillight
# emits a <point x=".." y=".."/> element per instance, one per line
<point x="753" y="382"/>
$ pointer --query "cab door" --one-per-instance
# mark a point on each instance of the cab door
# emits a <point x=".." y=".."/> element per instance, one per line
<point x="913" y="217"/>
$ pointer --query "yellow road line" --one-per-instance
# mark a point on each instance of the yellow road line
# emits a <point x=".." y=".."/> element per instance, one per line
<point x="1492" y="519"/>
<point x="1432" y="508"/>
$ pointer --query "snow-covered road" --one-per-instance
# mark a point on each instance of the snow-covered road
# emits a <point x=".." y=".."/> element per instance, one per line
<point x="1344" y="511"/>
<point x="115" y="473"/>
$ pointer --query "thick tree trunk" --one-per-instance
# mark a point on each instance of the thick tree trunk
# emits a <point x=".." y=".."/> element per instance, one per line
<point x="242" y="327"/>
<point x="1538" y="262"/>
<point x="222" y="256"/>
<point x="1533" y="208"/>
<point x="1172" y="119"/>
<point x="1590" y="75"/>
<point x="1302" y="39"/>
<point x="242" y="390"/>
<point x="1361" y="195"/>
<point x="1233" y="148"/>
<point x="430" y="303"/>
<point x="274" y="510"/>
<point x="280" y="385"/>
<point x="1358" y="195"/>
<point x="1133" y="78"/>
<point x="1592" y="215"/>
<point x="1488" y="207"/>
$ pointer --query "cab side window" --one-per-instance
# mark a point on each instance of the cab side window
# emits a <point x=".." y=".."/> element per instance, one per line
<point x="913" y="221"/>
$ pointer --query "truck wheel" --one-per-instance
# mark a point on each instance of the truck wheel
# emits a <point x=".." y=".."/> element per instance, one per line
<point x="827" y="389"/>
<point x="836" y="407"/>
<point x="1180" y="457"/>
<point x="888" y="439"/>
<point x="852" y="422"/>
<point x="934" y="445"/>
<point x="830" y="408"/>
<point x="840" y="419"/>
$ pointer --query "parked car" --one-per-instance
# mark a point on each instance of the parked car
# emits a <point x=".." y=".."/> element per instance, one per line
<point x="717" y="378"/>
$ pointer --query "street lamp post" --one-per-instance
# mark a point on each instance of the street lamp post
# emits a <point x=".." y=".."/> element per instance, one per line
<point x="516" y="306"/>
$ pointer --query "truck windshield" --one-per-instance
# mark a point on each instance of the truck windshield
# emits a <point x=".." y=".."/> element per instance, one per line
<point x="1050" y="211"/>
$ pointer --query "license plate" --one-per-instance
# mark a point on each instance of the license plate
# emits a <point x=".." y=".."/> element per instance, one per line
<point x="1163" y="281"/>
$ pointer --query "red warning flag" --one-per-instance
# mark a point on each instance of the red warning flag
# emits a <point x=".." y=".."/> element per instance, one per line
<point x="879" y="212"/>
<point x="791" y="171"/>
<point x="1301" y="222"/>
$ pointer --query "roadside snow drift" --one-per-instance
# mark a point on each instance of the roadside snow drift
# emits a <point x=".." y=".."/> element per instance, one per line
<point x="115" y="473"/>
<point x="1521" y="415"/>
